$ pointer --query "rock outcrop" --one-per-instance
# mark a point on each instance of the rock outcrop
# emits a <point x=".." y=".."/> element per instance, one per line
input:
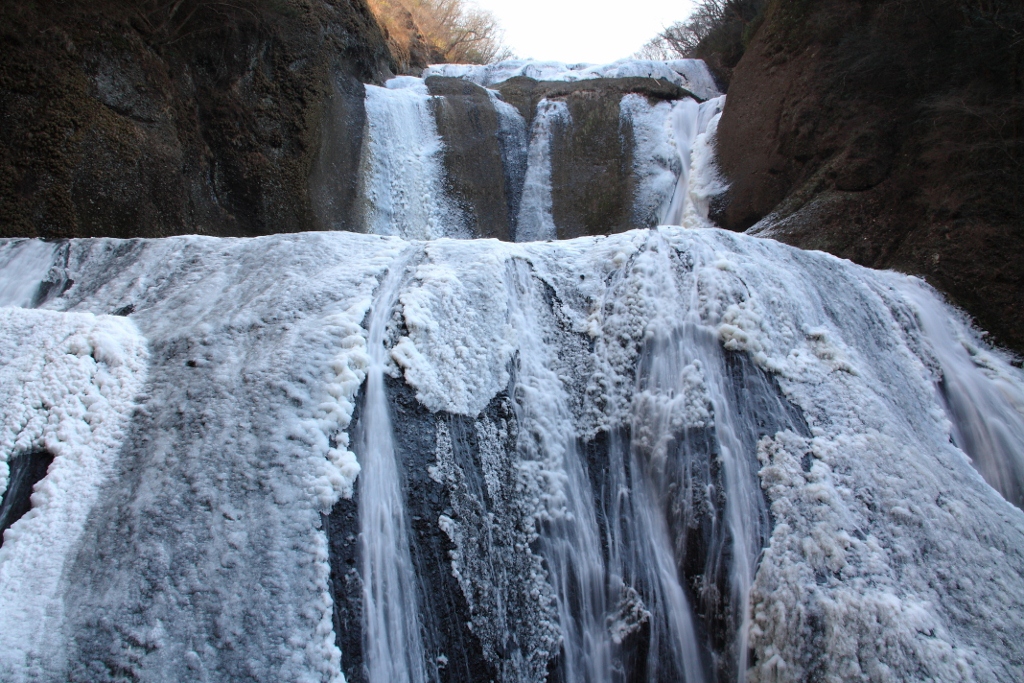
<point x="206" y="121"/>
<point x="890" y="133"/>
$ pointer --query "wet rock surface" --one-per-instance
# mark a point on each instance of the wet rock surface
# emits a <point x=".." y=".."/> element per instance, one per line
<point x="475" y="176"/>
<point x="592" y="179"/>
<point x="25" y="471"/>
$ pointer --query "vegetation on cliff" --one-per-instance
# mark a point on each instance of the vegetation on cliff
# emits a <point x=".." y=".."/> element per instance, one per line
<point x="422" y="32"/>
<point x="717" y="31"/>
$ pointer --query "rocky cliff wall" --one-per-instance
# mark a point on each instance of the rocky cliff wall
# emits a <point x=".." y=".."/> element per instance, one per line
<point x="122" y="118"/>
<point x="890" y="133"/>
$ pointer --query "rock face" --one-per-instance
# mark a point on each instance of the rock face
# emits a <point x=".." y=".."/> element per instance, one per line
<point x="592" y="180"/>
<point x="889" y="135"/>
<point x="475" y="176"/>
<point x="114" y="126"/>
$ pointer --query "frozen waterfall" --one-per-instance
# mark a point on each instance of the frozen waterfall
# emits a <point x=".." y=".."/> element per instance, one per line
<point x="407" y="189"/>
<point x="672" y="453"/>
<point x="668" y="454"/>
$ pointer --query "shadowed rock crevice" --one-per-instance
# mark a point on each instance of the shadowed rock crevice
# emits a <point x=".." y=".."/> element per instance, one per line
<point x="26" y="470"/>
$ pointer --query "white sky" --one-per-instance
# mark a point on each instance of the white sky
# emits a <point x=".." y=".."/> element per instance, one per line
<point x="580" y="31"/>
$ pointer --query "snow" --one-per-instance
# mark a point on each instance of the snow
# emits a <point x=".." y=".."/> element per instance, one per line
<point x="68" y="383"/>
<point x="889" y="556"/>
<point x="205" y="542"/>
<point x="691" y="74"/>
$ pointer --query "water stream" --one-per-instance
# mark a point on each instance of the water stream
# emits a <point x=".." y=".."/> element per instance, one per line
<point x="393" y="642"/>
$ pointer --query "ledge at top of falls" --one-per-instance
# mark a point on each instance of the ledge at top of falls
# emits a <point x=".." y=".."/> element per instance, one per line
<point x="690" y="74"/>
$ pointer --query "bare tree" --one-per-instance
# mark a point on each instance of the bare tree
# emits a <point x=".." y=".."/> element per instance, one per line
<point x="449" y="30"/>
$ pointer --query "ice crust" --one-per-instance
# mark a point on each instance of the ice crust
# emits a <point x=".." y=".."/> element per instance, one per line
<point x="68" y="384"/>
<point x="402" y="181"/>
<point x="673" y="158"/>
<point x="691" y="74"/>
<point x="890" y="557"/>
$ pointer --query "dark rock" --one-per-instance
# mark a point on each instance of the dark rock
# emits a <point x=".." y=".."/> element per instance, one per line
<point x="890" y="135"/>
<point x="524" y="92"/>
<point x="592" y="178"/>
<point x="26" y="469"/>
<point x="334" y="182"/>
<point x="474" y="171"/>
<point x="114" y="127"/>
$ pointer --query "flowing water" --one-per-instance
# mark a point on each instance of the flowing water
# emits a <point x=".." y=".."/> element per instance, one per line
<point x="391" y="626"/>
<point x="535" y="219"/>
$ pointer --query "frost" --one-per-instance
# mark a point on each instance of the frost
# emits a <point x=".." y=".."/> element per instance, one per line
<point x="68" y="383"/>
<point x="890" y="557"/>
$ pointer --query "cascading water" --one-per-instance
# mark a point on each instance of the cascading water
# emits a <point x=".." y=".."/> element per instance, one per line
<point x="671" y="454"/>
<point x="402" y="185"/>
<point x="513" y="144"/>
<point x="393" y="644"/>
<point x="535" y="219"/>
<point x="987" y="425"/>
<point x="689" y="121"/>
<point x="570" y="541"/>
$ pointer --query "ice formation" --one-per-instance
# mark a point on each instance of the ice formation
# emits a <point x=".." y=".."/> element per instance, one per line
<point x="402" y="185"/>
<point x="691" y="74"/>
<point x="404" y="191"/>
<point x="69" y="382"/>
<point x="535" y="219"/>
<point x="638" y="456"/>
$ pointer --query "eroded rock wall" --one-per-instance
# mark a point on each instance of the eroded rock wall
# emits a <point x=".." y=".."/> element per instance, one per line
<point x="890" y="133"/>
<point x="113" y="126"/>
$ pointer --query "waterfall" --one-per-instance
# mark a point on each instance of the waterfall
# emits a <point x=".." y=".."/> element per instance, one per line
<point x="690" y="121"/>
<point x="988" y="425"/>
<point x="668" y="454"/>
<point x="393" y="641"/>
<point x="513" y="144"/>
<point x="535" y="219"/>
<point x="569" y="537"/>
<point x="25" y="266"/>
<point x="402" y="182"/>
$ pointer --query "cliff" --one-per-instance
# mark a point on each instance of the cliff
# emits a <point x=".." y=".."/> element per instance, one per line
<point x="142" y="119"/>
<point x="890" y="133"/>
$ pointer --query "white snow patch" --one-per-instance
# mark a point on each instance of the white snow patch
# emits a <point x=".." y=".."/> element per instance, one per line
<point x="68" y="383"/>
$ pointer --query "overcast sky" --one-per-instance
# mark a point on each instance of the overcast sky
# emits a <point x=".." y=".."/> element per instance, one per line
<point x="580" y="31"/>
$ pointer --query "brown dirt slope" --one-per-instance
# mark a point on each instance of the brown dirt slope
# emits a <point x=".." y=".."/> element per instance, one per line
<point x="889" y="132"/>
<point x="142" y="118"/>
